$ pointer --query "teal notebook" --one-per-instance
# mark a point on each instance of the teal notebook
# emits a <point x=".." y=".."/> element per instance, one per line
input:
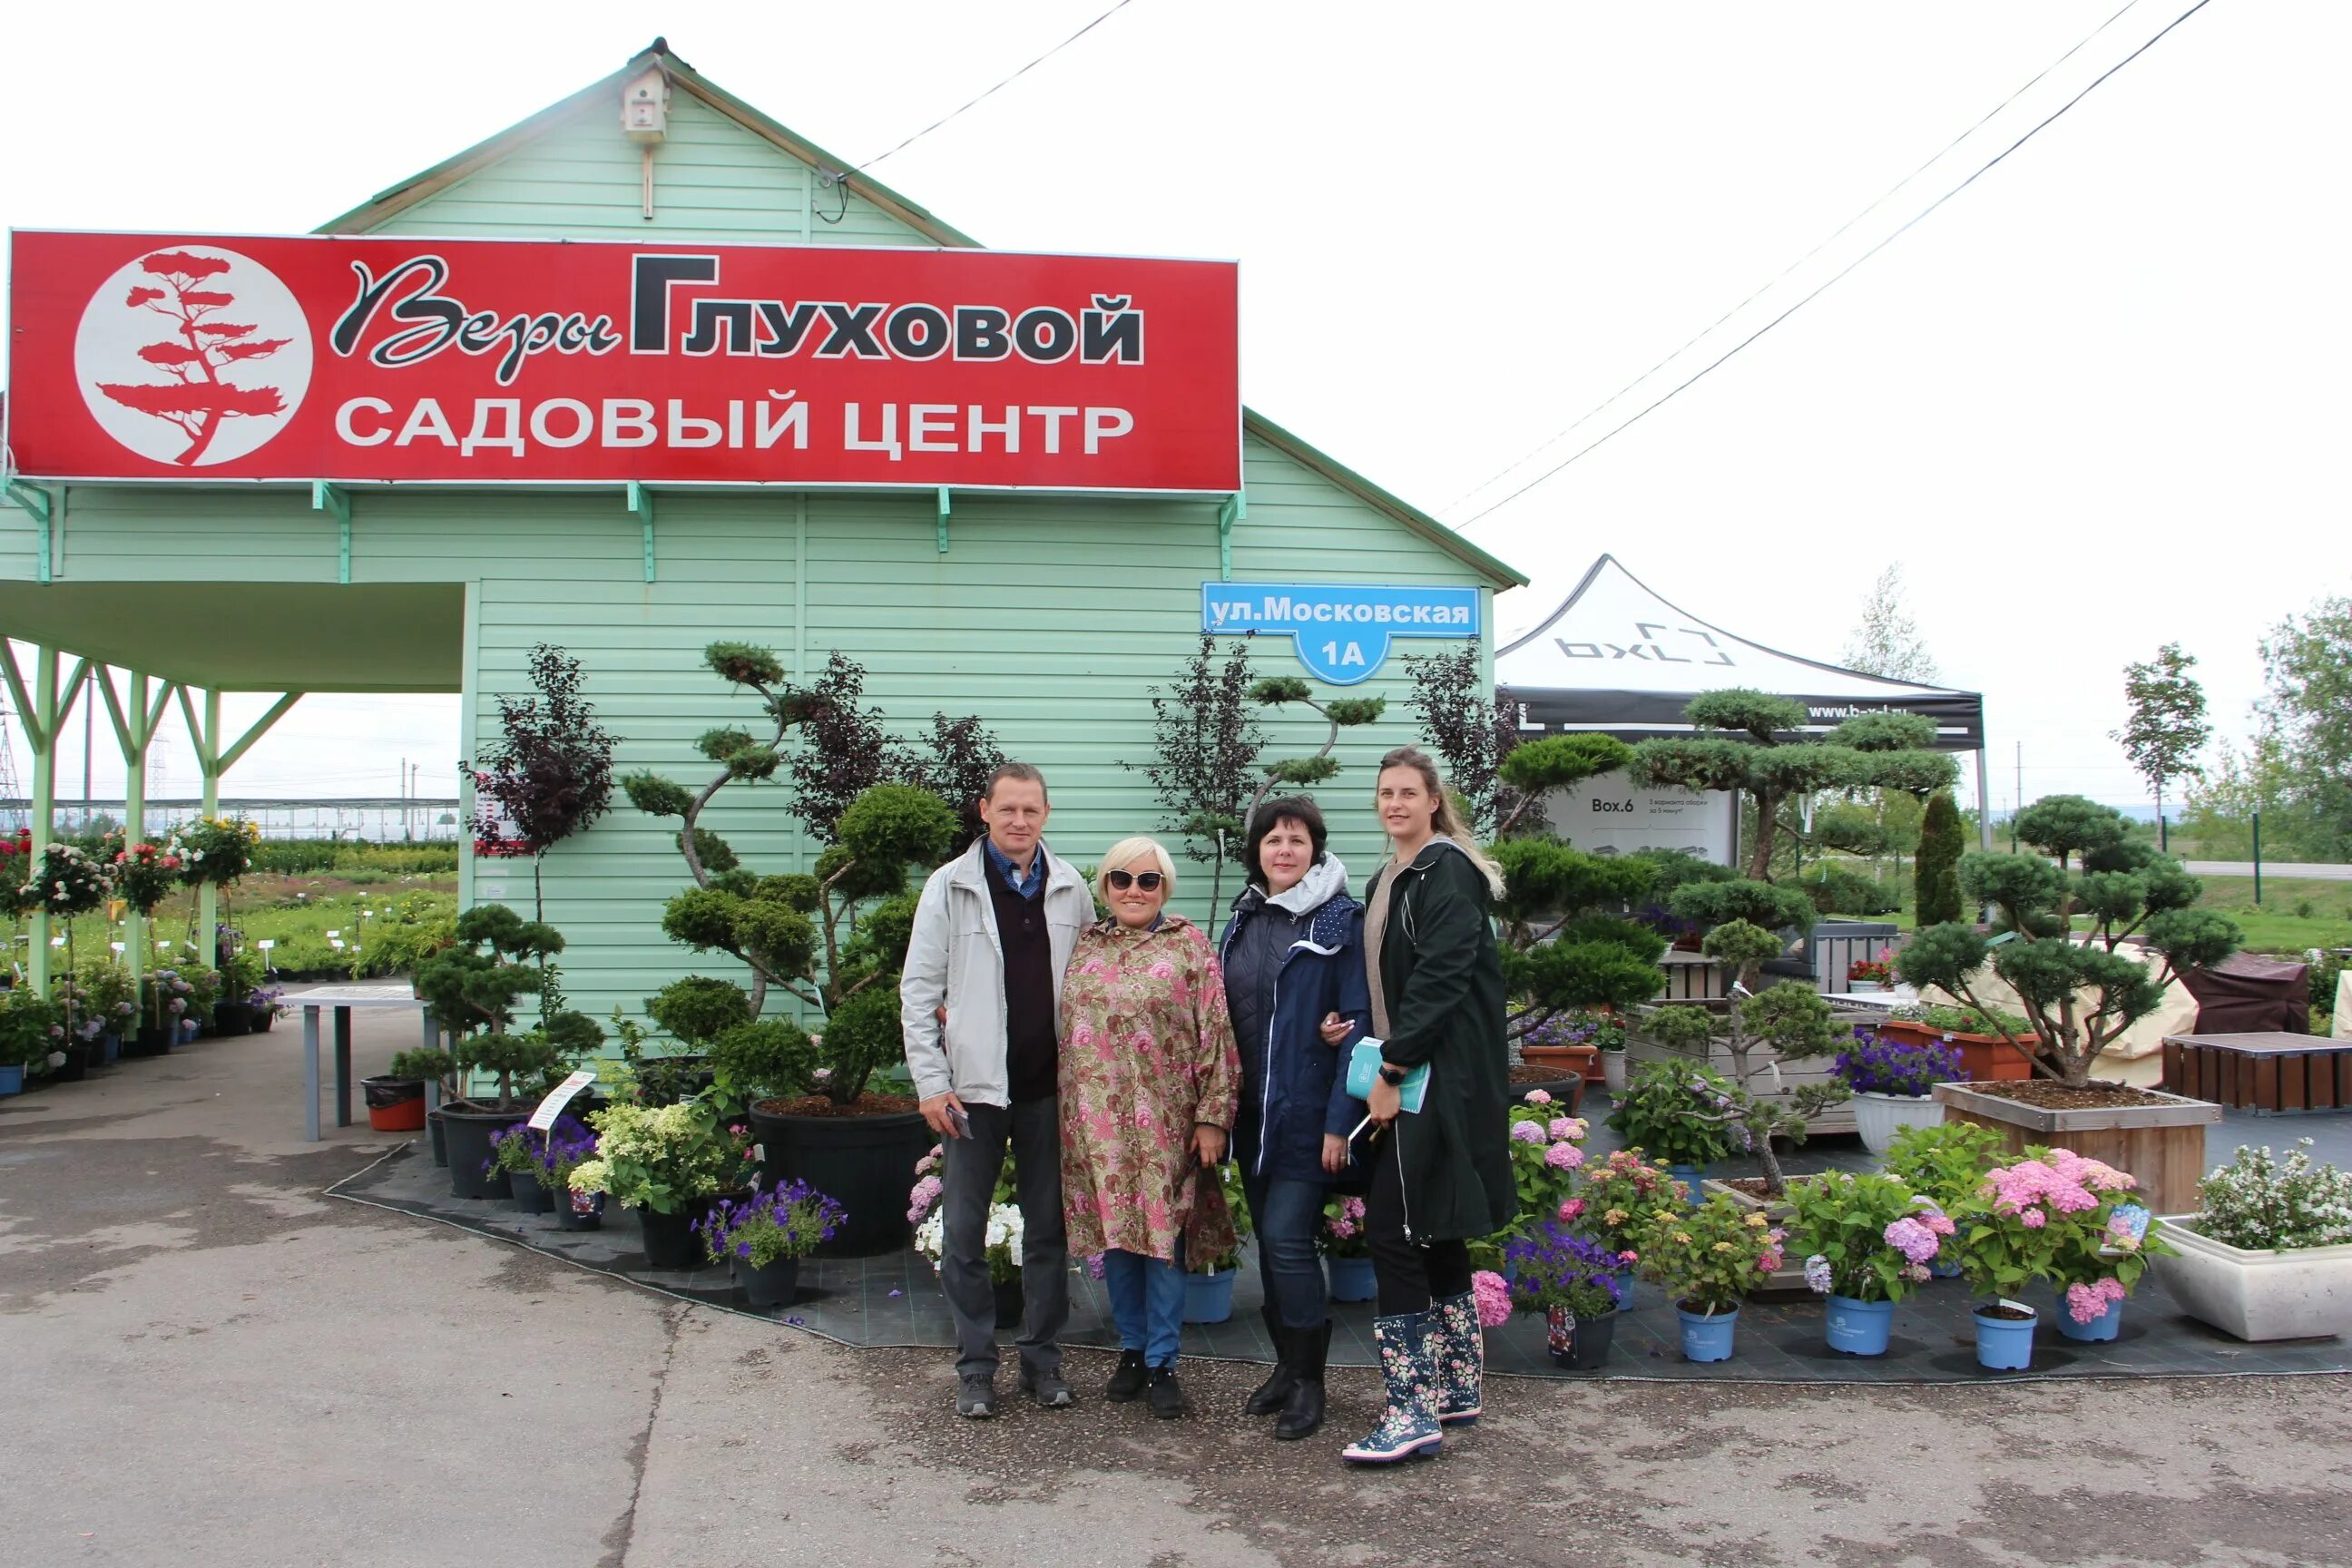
<point x="1364" y="1070"/>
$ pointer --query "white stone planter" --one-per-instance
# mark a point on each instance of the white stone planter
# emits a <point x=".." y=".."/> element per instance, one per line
<point x="1879" y="1117"/>
<point x="1613" y="1072"/>
<point x="2260" y="1294"/>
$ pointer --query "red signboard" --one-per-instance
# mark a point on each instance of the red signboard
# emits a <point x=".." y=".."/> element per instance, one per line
<point x="189" y="358"/>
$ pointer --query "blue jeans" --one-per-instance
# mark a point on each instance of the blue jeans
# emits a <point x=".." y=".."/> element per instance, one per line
<point x="1287" y="1212"/>
<point x="1146" y="1300"/>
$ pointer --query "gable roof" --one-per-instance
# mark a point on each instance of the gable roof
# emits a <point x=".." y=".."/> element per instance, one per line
<point x="387" y="204"/>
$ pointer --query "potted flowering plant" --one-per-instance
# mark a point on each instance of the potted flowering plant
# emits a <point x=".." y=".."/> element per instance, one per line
<point x="165" y="1000"/>
<point x="1616" y="1201"/>
<point x="63" y="881"/>
<point x="1945" y="1163"/>
<point x="1893" y="1083"/>
<point x="1707" y="1260"/>
<point x="1658" y="1113"/>
<point x="1544" y="1161"/>
<point x="1870" y="1241"/>
<point x="32" y="1038"/>
<point x="1209" y="1283"/>
<point x="2269" y="1256"/>
<point x="1003" y="1235"/>
<point x="764" y="1236"/>
<point x="539" y="1165"/>
<point x="1573" y="1283"/>
<point x="1867" y="974"/>
<point x="2056" y="1217"/>
<point x="666" y="1163"/>
<point x="112" y="1001"/>
<point x="1981" y="1038"/>
<point x="145" y="873"/>
<point x="1572" y="1040"/>
<point x="1347" y="1248"/>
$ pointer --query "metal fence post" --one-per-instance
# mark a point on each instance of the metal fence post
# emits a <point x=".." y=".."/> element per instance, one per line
<point x="2257" y="859"/>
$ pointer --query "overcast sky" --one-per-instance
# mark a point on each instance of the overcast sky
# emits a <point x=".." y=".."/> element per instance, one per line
<point x="2094" y="403"/>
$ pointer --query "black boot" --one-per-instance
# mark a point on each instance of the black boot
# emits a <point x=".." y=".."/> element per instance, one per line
<point x="1271" y="1395"/>
<point x="1167" y="1395"/>
<point x="1302" y="1413"/>
<point x="1127" y="1381"/>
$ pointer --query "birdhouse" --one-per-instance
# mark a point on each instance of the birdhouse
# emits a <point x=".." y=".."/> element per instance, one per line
<point x="644" y="106"/>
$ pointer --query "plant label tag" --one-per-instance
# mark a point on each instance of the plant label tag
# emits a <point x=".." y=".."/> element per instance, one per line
<point x="2017" y="1306"/>
<point x="2134" y="1219"/>
<point x="561" y="1096"/>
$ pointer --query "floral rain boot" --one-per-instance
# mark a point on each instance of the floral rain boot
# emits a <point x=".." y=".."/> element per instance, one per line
<point x="1458" y="1346"/>
<point x="1408" y="1429"/>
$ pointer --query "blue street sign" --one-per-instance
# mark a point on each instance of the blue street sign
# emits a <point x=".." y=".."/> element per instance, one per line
<point x="1341" y="629"/>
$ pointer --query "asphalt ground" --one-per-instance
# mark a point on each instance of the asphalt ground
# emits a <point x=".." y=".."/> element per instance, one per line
<point x="203" y="1361"/>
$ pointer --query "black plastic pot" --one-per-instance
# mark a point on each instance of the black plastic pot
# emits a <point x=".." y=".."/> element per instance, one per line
<point x="151" y="1040"/>
<point x="439" y="1139"/>
<point x="571" y="1216"/>
<point x="76" y="1066"/>
<point x="530" y="1193"/>
<point x="467" y="1134"/>
<point x="670" y="1241"/>
<point x="772" y="1285"/>
<point x="232" y="1018"/>
<point x="866" y="1163"/>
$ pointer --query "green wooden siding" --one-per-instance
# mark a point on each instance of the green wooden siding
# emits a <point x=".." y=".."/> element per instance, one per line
<point x="1048" y="617"/>
<point x="713" y="179"/>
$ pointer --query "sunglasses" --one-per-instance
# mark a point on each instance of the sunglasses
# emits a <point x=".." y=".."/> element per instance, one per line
<point x="1148" y="881"/>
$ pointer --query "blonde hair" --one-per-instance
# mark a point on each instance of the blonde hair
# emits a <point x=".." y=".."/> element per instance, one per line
<point x="1123" y="855"/>
<point x="1447" y="822"/>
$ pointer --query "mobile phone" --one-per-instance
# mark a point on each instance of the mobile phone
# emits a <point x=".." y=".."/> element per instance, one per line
<point x="960" y="1121"/>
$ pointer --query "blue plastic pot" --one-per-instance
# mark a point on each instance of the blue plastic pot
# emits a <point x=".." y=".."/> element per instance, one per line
<point x="1860" y="1327"/>
<point x="2004" y="1344"/>
<point x="1209" y="1298"/>
<point x="1690" y="1176"/>
<point x="12" y="1081"/>
<point x="1706" y="1338"/>
<point x="1624" y="1288"/>
<point x="1352" y="1278"/>
<point x="1943" y="1270"/>
<point x="189" y="1029"/>
<point x="2105" y="1326"/>
<point x="109" y="1049"/>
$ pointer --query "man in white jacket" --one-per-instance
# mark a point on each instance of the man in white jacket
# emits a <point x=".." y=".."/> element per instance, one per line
<point x="979" y="1006"/>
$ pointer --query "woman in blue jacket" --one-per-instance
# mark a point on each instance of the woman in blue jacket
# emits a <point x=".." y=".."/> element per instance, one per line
<point x="1293" y="958"/>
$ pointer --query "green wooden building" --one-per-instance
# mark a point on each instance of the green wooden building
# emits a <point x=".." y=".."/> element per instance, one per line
<point x="1047" y="615"/>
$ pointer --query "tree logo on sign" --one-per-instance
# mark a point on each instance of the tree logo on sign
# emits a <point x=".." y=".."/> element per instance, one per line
<point x="192" y="355"/>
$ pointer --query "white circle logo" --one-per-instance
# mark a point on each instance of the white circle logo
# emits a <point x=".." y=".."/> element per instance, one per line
<point x="192" y="355"/>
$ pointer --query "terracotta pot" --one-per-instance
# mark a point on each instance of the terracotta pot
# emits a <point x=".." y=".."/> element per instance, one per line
<point x="1987" y="1058"/>
<point x="1584" y="1061"/>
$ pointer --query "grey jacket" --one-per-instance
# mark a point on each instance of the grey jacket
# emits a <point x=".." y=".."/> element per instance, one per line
<point x="955" y="961"/>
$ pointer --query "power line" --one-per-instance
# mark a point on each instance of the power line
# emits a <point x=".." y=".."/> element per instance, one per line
<point x="1773" y="282"/>
<point x="1824" y="287"/>
<point x="1025" y="70"/>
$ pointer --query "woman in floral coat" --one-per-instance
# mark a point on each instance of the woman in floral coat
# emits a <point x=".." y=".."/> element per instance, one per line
<point x="1150" y="1083"/>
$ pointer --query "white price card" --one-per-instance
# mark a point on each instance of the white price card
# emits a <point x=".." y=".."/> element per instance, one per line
<point x="561" y="1096"/>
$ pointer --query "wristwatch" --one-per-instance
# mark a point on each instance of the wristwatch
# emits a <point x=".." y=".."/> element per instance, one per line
<point x="1392" y="1075"/>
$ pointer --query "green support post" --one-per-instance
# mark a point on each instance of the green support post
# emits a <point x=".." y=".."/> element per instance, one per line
<point x="43" y="732"/>
<point x="216" y="760"/>
<point x="135" y="728"/>
<point x="943" y="520"/>
<point x="641" y="501"/>
<point x="335" y="500"/>
<point x="37" y="502"/>
<point x="1235" y="508"/>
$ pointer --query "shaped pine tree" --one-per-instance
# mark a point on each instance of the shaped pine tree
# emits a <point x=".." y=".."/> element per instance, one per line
<point x="198" y="398"/>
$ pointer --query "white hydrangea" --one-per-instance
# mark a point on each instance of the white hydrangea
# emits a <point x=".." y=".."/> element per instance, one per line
<point x="2259" y="1203"/>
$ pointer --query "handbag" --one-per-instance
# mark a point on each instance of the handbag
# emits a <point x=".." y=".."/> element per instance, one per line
<point x="1364" y="1070"/>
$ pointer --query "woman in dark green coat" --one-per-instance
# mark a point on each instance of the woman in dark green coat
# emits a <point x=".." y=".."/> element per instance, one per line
<point x="1441" y="1176"/>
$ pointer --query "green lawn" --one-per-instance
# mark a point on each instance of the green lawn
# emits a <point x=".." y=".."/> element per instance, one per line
<point x="2296" y="912"/>
<point x="378" y="918"/>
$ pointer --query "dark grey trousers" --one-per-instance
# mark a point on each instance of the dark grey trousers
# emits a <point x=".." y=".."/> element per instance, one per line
<point x="1033" y="1129"/>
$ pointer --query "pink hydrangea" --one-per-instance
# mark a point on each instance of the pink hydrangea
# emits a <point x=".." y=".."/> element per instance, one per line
<point x="1914" y="1240"/>
<point x="1493" y="1293"/>
<point x="1770" y="1261"/>
<point x="2034" y="1219"/>
<point x="1539" y="1097"/>
<point x="1567" y="1127"/>
<point x="2088" y="1303"/>
<point x="1563" y="1156"/>
<point x="1571" y="1210"/>
<point x="919" y="1201"/>
<point x="1528" y="1131"/>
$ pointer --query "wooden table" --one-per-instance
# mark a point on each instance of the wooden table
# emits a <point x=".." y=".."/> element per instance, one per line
<point x="2270" y="1073"/>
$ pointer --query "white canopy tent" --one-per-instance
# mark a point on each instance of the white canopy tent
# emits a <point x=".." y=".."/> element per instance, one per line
<point x="1617" y="659"/>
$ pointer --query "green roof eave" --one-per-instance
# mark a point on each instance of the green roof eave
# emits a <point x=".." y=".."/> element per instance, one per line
<point x="1499" y="574"/>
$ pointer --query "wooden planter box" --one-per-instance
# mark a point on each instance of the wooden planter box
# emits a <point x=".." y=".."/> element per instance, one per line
<point x="2163" y="1145"/>
<point x="2262" y="1072"/>
<point x="1987" y="1058"/>
<point x="1640" y="1050"/>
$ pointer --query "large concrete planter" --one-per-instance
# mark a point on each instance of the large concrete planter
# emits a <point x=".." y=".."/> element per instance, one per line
<point x="2162" y="1144"/>
<point x="1640" y="1050"/>
<point x="2258" y="1295"/>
